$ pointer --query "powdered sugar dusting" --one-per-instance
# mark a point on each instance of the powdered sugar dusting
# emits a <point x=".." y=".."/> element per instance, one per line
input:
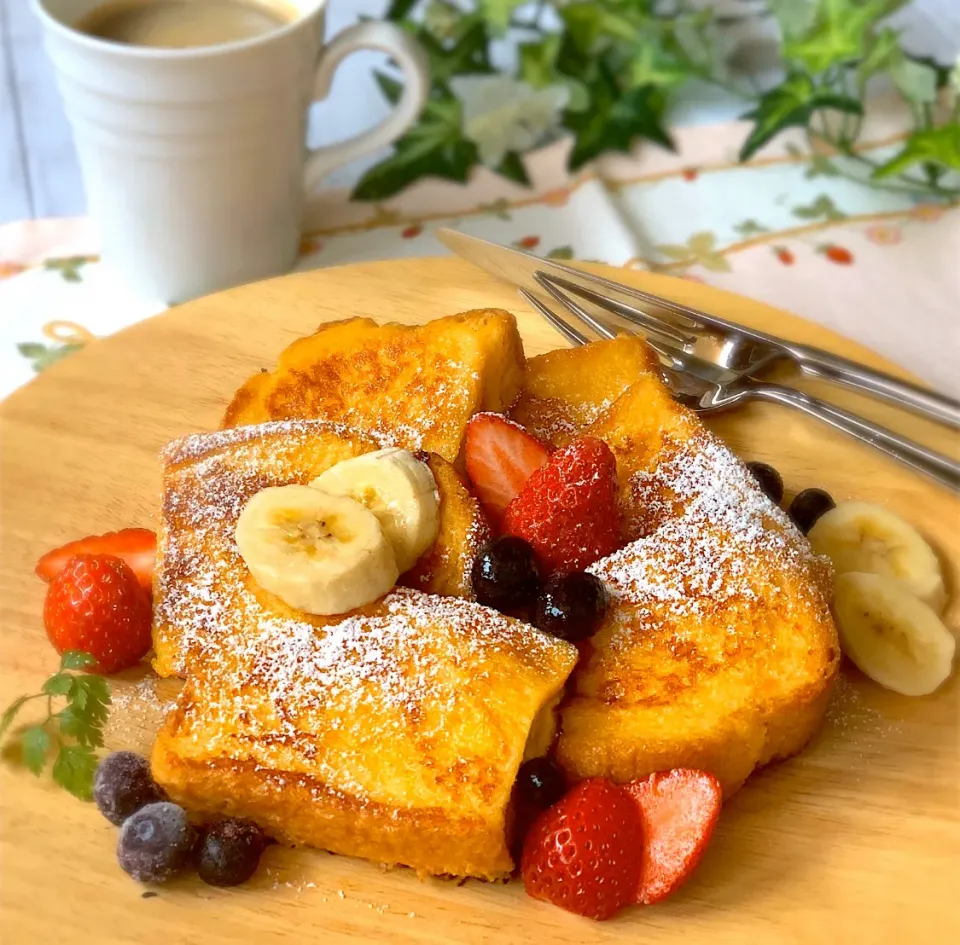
<point x="409" y="656"/>
<point x="710" y="523"/>
<point x="200" y="444"/>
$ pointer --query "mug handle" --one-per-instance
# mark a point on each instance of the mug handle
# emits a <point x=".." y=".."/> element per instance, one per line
<point x="392" y="40"/>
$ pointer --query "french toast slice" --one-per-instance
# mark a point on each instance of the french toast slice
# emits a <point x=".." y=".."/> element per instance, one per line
<point x="418" y="384"/>
<point x="568" y="389"/>
<point x="718" y="650"/>
<point x="208" y="477"/>
<point x="393" y="733"/>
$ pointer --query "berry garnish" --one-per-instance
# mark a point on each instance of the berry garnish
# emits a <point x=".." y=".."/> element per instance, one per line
<point x="807" y="507"/>
<point x="679" y="810"/>
<point x="97" y="605"/>
<point x="156" y="843"/>
<point x="123" y="784"/>
<point x="571" y="605"/>
<point x="541" y="782"/>
<point x="568" y="508"/>
<point x="505" y="574"/>
<point x="584" y="854"/>
<point x="500" y="457"/>
<point x="137" y="546"/>
<point x="769" y="480"/>
<point x="230" y="852"/>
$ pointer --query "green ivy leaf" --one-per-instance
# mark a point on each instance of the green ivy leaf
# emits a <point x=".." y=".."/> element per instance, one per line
<point x="882" y="49"/>
<point x="916" y="81"/>
<point x="560" y="252"/>
<point x="838" y="34"/>
<point x="35" y="744"/>
<point x="794" y="17"/>
<point x="538" y="61"/>
<point x="649" y="64"/>
<point x="615" y="120"/>
<point x="498" y="12"/>
<point x="791" y="104"/>
<point x="74" y="770"/>
<point x="435" y="147"/>
<point x="584" y="23"/>
<point x="468" y="54"/>
<point x="389" y="87"/>
<point x="937" y="145"/>
<point x="398" y="9"/>
<point x="513" y="168"/>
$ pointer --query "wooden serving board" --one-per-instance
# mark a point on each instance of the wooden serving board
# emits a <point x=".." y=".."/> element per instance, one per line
<point x="856" y="840"/>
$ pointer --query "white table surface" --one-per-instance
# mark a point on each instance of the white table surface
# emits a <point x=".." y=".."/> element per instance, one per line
<point x="39" y="176"/>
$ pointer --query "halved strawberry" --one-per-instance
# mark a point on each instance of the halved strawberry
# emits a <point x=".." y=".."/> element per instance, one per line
<point x="568" y="509"/>
<point x="584" y="853"/>
<point x="136" y="546"/>
<point x="679" y="810"/>
<point x="501" y="456"/>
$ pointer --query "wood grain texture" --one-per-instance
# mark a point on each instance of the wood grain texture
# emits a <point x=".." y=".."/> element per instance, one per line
<point x="857" y="840"/>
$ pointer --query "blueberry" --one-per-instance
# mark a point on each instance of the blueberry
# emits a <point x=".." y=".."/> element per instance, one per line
<point x="541" y="782"/>
<point x="505" y="574"/>
<point x="571" y="605"/>
<point x="156" y="842"/>
<point x="769" y="480"/>
<point x="123" y="784"/>
<point x="230" y="852"/>
<point x="808" y="506"/>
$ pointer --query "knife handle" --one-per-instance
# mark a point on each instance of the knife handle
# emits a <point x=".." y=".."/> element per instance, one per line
<point x="831" y="367"/>
<point x="943" y="469"/>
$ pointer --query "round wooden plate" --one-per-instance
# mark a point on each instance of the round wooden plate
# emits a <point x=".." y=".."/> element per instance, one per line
<point x="855" y="840"/>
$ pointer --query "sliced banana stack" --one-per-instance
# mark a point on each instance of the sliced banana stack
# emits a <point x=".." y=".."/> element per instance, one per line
<point x="320" y="553"/>
<point x="889" y="592"/>
<point x="399" y="490"/>
<point x="862" y="536"/>
<point x="892" y="636"/>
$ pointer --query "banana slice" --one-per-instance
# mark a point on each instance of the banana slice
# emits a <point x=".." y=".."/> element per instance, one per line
<point x="399" y="490"/>
<point x="861" y="536"/>
<point x="320" y="553"/>
<point x="892" y="636"/>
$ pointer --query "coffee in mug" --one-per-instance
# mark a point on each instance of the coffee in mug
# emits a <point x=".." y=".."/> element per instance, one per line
<point x="183" y="24"/>
<point x="190" y="118"/>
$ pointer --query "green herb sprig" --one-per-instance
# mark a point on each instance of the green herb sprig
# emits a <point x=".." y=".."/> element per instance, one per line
<point x="607" y="73"/>
<point x="74" y="731"/>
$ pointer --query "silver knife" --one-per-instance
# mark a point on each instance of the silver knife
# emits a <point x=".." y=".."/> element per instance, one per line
<point x="725" y="344"/>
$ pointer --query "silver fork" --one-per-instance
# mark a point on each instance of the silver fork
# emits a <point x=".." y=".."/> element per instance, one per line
<point x="746" y="350"/>
<point x="707" y="388"/>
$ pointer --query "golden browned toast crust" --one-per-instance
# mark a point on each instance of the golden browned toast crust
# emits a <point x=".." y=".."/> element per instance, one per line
<point x="393" y="733"/>
<point x="719" y="650"/>
<point x="568" y="389"/>
<point x="208" y="477"/>
<point x="445" y="568"/>
<point x="419" y="384"/>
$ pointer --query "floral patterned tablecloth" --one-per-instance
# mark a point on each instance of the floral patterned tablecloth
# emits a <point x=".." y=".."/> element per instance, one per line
<point x="876" y="265"/>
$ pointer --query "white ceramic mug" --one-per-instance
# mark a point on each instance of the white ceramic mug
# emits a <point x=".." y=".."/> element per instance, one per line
<point x="194" y="160"/>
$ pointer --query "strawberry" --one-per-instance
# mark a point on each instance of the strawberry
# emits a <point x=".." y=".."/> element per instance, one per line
<point x="568" y="509"/>
<point x="584" y="854"/>
<point x="96" y="604"/>
<point x="137" y="546"/>
<point x="500" y="457"/>
<point x="679" y="810"/>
